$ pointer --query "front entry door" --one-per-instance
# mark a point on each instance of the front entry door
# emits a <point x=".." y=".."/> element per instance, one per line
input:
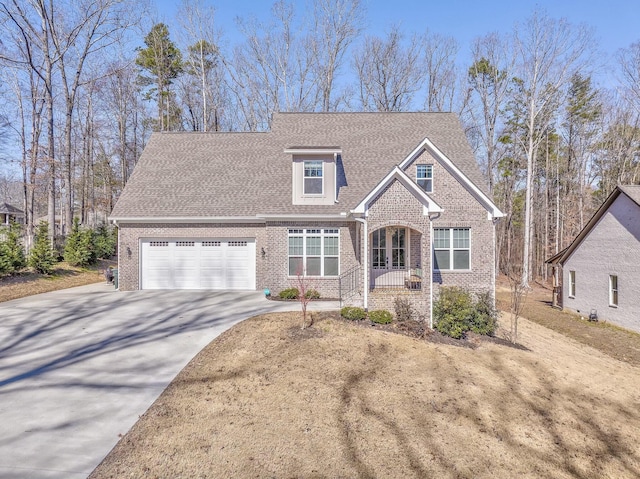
<point x="388" y="256"/>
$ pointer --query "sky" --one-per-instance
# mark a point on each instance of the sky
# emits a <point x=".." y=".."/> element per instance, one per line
<point x="615" y="21"/>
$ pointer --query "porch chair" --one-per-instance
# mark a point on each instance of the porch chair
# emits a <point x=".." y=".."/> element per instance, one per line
<point x="414" y="279"/>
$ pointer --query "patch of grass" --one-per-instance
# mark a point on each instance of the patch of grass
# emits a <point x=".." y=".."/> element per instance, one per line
<point x="27" y="283"/>
<point x="617" y="342"/>
<point x="352" y="401"/>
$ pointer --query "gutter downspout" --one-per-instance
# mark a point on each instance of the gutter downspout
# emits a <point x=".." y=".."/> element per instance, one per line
<point x="493" y="279"/>
<point x="365" y="262"/>
<point x="115" y="223"/>
<point x="431" y="218"/>
<point x="335" y="177"/>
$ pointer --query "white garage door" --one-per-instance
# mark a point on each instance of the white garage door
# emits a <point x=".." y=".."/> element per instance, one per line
<point x="198" y="264"/>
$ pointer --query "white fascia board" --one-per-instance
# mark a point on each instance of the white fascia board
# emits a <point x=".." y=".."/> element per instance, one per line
<point x="186" y="219"/>
<point x="313" y="151"/>
<point x="430" y="206"/>
<point x="307" y="217"/>
<point x="492" y="209"/>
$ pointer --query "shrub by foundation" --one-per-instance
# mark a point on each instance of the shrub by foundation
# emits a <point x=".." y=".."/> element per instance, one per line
<point x="402" y="308"/>
<point x="353" y="313"/>
<point x="455" y="313"/>
<point x="312" y="294"/>
<point x="289" y="293"/>
<point x="380" y="316"/>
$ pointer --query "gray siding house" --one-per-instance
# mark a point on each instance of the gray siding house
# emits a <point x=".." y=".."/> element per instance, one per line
<point x="9" y="213"/>
<point x="364" y="206"/>
<point x="601" y="267"/>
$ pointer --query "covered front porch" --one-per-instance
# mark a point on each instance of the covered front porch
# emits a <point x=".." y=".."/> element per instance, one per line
<point x="395" y="259"/>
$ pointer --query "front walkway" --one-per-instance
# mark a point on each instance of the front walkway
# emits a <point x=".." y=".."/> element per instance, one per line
<point x="79" y="366"/>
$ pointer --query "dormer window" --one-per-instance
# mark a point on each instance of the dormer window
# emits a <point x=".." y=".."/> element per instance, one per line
<point x="314" y="174"/>
<point x="313" y="181"/>
<point x="424" y="177"/>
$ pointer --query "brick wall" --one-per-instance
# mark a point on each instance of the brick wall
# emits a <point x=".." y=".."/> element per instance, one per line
<point x="277" y="263"/>
<point x="130" y="235"/>
<point x="396" y="206"/>
<point x="462" y="210"/>
<point x="272" y="270"/>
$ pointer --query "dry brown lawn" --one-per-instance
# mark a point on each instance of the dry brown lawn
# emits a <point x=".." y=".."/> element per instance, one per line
<point x="342" y="401"/>
<point x="64" y="276"/>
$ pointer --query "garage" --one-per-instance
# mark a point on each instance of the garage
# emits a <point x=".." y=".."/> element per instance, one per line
<point x="198" y="264"/>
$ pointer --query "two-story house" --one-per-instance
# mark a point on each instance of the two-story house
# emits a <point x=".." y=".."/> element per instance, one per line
<point x="366" y="206"/>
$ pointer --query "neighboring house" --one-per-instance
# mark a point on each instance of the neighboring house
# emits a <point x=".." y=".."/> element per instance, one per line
<point x="345" y="199"/>
<point x="601" y="267"/>
<point x="9" y="213"/>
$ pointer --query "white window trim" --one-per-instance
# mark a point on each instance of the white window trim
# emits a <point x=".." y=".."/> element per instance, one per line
<point x="451" y="250"/>
<point x="304" y="177"/>
<point x="429" y="168"/>
<point x="572" y="284"/>
<point x="613" y="304"/>
<point x="304" y="233"/>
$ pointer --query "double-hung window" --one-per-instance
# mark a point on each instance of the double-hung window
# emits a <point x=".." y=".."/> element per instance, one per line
<point x="572" y="284"/>
<point x="451" y="248"/>
<point x="424" y="177"/>
<point x="613" y="290"/>
<point x="314" y="252"/>
<point x="313" y="171"/>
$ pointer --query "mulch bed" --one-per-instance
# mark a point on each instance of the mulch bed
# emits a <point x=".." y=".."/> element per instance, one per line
<point x="418" y="330"/>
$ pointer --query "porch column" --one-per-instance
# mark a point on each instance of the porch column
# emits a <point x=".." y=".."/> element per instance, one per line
<point x="365" y="264"/>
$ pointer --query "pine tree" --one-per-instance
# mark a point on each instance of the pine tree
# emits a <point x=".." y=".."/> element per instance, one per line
<point x="104" y="242"/>
<point x="79" y="249"/>
<point x="42" y="257"/>
<point x="163" y="60"/>
<point x="12" y="257"/>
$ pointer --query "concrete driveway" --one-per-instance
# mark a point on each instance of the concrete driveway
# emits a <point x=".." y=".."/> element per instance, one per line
<point x="79" y="366"/>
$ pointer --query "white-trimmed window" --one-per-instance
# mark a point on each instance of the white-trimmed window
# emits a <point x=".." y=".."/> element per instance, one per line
<point x="451" y="248"/>
<point x="313" y="174"/>
<point x="424" y="177"/>
<point x="314" y="252"/>
<point x="572" y="284"/>
<point x="613" y="290"/>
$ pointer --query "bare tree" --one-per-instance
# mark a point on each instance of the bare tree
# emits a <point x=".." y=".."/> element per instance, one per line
<point x="32" y="49"/>
<point x="337" y="23"/>
<point x="86" y="27"/>
<point x="440" y="70"/>
<point x="617" y="160"/>
<point x="306" y="294"/>
<point x="548" y="52"/>
<point x="389" y="72"/>
<point x="272" y="70"/>
<point x="629" y="61"/>
<point x="30" y="103"/>
<point x="203" y="65"/>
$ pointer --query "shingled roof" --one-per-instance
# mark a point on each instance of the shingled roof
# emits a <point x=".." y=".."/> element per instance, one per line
<point x="632" y="191"/>
<point x="6" y="208"/>
<point x="247" y="174"/>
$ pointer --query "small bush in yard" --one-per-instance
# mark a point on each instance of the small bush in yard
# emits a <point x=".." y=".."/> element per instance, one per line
<point x="380" y="316"/>
<point x="289" y="293"/>
<point x="402" y="308"/>
<point x="455" y="313"/>
<point x="485" y="319"/>
<point x="353" y="313"/>
<point x="312" y="294"/>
